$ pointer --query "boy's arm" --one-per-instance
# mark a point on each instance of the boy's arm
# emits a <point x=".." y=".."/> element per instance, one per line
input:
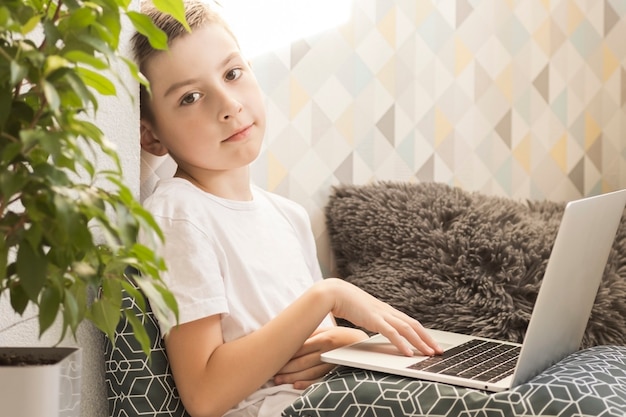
<point x="306" y="367"/>
<point x="212" y="376"/>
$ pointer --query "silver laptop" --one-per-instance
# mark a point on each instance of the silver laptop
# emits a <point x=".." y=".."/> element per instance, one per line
<point x="555" y="330"/>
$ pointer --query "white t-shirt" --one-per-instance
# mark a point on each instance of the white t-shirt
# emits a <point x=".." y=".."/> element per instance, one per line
<point x="244" y="260"/>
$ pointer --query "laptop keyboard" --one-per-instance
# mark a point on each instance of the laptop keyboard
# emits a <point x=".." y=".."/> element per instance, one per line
<point x="476" y="359"/>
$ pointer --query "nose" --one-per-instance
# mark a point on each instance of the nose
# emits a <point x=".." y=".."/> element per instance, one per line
<point x="229" y="107"/>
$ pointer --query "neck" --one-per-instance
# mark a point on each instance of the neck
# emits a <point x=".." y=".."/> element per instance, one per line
<point x="225" y="184"/>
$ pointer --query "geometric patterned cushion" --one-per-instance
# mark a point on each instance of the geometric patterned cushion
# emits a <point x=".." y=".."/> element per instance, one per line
<point x="590" y="382"/>
<point x="135" y="385"/>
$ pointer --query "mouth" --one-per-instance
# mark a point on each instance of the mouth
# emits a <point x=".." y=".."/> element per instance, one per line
<point x="240" y="134"/>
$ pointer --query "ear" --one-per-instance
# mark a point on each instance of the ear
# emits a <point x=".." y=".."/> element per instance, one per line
<point x="149" y="141"/>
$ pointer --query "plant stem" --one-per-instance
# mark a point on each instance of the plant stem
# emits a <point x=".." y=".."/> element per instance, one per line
<point x="17" y="323"/>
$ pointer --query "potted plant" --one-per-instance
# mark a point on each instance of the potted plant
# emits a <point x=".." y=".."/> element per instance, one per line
<point x="68" y="227"/>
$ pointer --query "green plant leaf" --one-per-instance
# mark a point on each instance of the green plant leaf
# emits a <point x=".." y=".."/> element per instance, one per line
<point x="124" y="4"/>
<point x="20" y="111"/>
<point x="71" y="311"/>
<point x="148" y="219"/>
<point x="69" y="230"/>
<point x="160" y="307"/>
<point x="82" y="57"/>
<point x="50" y="29"/>
<point x="74" y="303"/>
<point x="144" y="25"/>
<point x="109" y="26"/>
<point x="105" y="316"/>
<point x="137" y="75"/>
<point x="81" y="90"/>
<point x="5" y="108"/>
<point x="151" y="264"/>
<point x="139" y="331"/>
<point x="19" y="299"/>
<point x="87" y="129"/>
<point x="135" y="294"/>
<point x="97" y="81"/>
<point x="82" y="17"/>
<point x="49" y="305"/>
<point x="31" y="270"/>
<point x="112" y="290"/>
<point x="175" y="8"/>
<point x="11" y="182"/>
<point x="97" y="44"/>
<point x="30" y="25"/>
<point x="18" y="72"/>
<point x="5" y="17"/>
<point x="54" y="63"/>
<point x="75" y="5"/>
<point x="52" y="95"/>
<point x="169" y="299"/>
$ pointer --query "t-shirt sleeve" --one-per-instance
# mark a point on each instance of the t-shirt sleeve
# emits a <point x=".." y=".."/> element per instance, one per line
<point x="193" y="270"/>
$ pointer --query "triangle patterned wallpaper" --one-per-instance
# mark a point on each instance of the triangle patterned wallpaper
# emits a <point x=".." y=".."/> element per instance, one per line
<point x="516" y="98"/>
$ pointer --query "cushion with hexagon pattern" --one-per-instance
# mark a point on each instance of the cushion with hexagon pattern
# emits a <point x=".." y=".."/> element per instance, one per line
<point x="590" y="382"/>
<point x="137" y="386"/>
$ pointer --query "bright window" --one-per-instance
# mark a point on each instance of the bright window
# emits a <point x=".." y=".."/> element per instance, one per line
<point x="263" y="25"/>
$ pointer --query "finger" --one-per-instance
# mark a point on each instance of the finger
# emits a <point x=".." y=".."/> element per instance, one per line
<point x="315" y="343"/>
<point x="416" y="335"/>
<point x="424" y="339"/>
<point x="311" y="345"/>
<point x="309" y="374"/>
<point x="396" y="339"/>
<point x="305" y="384"/>
<point x="427" y="338"/>
<point x="403" y="333"/>
<point x="301" y="362"/>
<point x="321" y="330"/>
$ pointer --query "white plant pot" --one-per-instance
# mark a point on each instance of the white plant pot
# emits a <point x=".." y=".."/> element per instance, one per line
<point x="41" y="390"/>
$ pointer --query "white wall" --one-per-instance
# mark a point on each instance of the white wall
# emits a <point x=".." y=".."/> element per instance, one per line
<point x="119" y="119"/>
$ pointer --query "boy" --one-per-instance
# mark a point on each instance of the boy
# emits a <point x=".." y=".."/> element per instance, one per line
<point x="255" y="313"/>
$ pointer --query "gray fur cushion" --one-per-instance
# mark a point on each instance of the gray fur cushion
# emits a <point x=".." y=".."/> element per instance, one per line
<point x="461" y="261"/>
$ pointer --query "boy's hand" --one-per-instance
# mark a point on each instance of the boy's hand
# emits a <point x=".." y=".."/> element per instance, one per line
<point x="306" y="367"/>
<point x="366" y="311"/>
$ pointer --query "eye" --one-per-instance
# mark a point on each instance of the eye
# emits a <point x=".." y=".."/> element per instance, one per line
<point x="233" y="74"/>
<point x="190" y="98"/>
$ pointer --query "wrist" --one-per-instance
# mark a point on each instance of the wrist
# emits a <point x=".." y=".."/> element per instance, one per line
<point x="332" y="292"/>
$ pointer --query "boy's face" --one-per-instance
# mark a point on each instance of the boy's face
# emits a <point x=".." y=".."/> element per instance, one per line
<point x="208" y="108"/>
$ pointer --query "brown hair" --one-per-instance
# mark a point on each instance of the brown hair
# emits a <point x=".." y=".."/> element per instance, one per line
<point x="197" y="13"/>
